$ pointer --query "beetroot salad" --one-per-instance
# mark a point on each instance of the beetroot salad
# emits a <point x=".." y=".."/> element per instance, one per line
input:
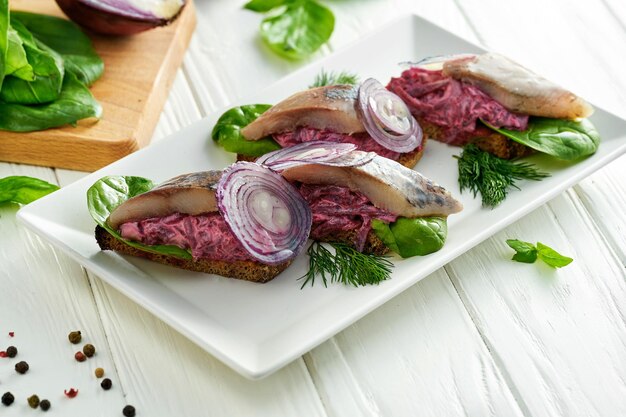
<point x="454" y="106"/>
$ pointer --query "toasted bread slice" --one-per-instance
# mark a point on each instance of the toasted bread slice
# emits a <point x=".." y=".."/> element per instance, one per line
<point x="246" y="270"/>
<point x="373" y="244"/>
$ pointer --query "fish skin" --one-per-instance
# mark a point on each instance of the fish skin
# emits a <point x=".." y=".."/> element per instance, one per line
<point x="329" y="107"/>
<point x="517" y="88"/>
<point x="388" y="185"/>
<point x="188" y="193"/>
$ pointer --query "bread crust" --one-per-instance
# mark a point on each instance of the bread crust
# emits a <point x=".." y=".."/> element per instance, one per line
<point x="373" y="244"/>
<point x="245" y="270"/>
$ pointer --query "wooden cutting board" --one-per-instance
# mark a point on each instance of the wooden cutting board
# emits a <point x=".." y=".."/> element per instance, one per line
<point x="139" y="71"/>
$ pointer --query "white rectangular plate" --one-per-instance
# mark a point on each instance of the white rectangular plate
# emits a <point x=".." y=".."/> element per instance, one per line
<point x="254" y="328"/>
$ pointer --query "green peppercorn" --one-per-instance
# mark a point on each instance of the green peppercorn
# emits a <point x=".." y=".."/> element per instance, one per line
<point x="33" y="401"/>
<point x="99" y="372"/>
<point x="44" y="405"/>
<point x="75" y="337"/>
<point x="80" y="356"/>
<point x="21" y="367"/>
<point x="106" y="384"/>
<point x="11" y="351"/>
<point x="7" y="399"/>
<point x="89" y="350"/>
<point x="129" y="411"/>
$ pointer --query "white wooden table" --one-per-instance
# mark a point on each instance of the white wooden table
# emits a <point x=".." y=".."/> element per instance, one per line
<point x="482" y="336"/>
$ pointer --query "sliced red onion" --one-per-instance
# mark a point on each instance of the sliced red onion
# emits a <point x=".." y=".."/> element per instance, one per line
<point x="266" y="213"/>
<point x="387" y="118"/>
<point x="315" y="152"/>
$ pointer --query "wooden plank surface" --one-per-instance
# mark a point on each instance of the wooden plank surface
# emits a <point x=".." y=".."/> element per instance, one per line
<point x="139" y="71"/>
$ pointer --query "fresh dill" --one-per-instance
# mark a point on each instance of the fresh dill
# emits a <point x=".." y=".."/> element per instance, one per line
<point x="484" y="173"/>
<point x="346" y="266"/>
<point x="325" y="78"/>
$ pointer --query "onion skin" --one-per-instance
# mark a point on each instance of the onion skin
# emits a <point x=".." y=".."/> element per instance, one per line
<point x="105" y="22"/>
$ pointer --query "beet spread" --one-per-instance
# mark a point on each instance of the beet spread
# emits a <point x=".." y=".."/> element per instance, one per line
<point x="338" y="209"/>
<point x="207" y="235"/>
<point x="452" y="105"/>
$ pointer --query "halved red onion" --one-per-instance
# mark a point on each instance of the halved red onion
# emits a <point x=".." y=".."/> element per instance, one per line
<point x="266" y="213"/>
<point x="387" y="118"/>
<point x="315" y="152"/>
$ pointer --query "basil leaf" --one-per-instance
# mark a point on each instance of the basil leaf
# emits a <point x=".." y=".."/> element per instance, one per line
<point x="300" y="30"/>
<point x="563" y="139"/>
<point x="262" y="6"/>
<point x="23" y="190"/>
<point x="411" y="237"/>
<point x="17" y="62"/>
<point x="227" y="131"/>
<point x="109" y="192"/>
<point x="4" y="37"/>
<point x="74" y="103"/>
<point x="68" y="40"/>
<point x="525" y="252"/>
<point x="552" y="257"/>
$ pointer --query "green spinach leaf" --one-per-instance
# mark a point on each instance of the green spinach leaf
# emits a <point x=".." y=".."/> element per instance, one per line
<point x="301" y="29"/>
<point x="227" y="131"/>
<point x="74" y="103"/>
<point x="563" y="139"/>
<point x="262" y="6"/>
<point x="23" y="190"/>
<point x="552" y="257"/>
<point x="410" y="237"/>
<point x="524" y="251"/>
<point x="109" y="192"/>
<point x="4" y="37"/>
<point x="17" y="62"/>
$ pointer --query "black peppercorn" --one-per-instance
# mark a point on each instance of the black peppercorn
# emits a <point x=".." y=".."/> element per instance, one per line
<point x="7" y="399"/>
<point x="75" y="337"/>
<point x="89" y="350"/>
<point x="21" y="367"/>
<point x="33" y="401"/>
<point x="11" y="351"/>
<point x="129" y="411"/>
<point x="44" y="405"/>
<point x="106" y="384"/>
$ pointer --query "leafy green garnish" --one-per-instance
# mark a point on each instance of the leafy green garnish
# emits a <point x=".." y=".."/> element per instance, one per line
<point x="325" y="78"/>
<point x="227" y="131"/>
<point x="563" y="139"/>
<point x="24" y="190"/>
<point x="4" y="37"/>
<point x="412" y="237"/>
<point x="262" y="6"/>
<point x="484" y="173"/>
<point x="346" y="266"/>
<point x="109" y="192"/>
<point x="528" y="253"/>
<point x="17" y="62"/>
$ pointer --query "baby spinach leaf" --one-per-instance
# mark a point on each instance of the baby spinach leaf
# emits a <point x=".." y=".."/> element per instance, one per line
<point x="74" y="103"/>
<point x="563" y="139"/>
<point x="301" y="29"/>
<point x="262" y="6"/>
<point x="552" y="257"/>
<point x="109" y="192"/>
<point x="525" y="252"/>
<point x="4" y="37"/>
<point x="227" y="131"/>
<point x="17" y="62"/>
<point x="410" y="237"/>
<point x="23" y="190"/>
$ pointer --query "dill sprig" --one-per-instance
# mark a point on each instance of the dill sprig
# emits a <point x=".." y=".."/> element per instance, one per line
<point x="346" y="265"/>
<point x="480" y="171"/>
<point x="332" y="78"/>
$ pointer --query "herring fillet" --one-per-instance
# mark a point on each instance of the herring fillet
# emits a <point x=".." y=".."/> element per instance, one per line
<point x="329" y="107"/>
<point x="517" y="88"/>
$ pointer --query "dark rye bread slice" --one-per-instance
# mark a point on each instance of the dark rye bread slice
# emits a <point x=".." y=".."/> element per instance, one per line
<point x="246" y="270"/>
<point x="373" y="244"/>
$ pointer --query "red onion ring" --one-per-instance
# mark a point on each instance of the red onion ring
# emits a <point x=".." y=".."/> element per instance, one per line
<point x="266" y="213"/>
<point x="315" y="152"/>
<point x="381" y="127"/>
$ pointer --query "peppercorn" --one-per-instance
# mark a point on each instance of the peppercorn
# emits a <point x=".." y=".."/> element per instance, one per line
<point x="129" y="411"/>
<point x="11" y="334"/>
<point x="99" y="372"/>
<point x="44" y="405"/>
<point x="7" y="399"/>
<point x="21" y="367"/>
<point x="11" y="351"/>
<point x="73" y="392"/>
<point x="75" y="337"/>
<point x="89" y="350"/>
<point x="106" y="384"/>
<point x="80" y="356"/>
<point x="33" y="401"/>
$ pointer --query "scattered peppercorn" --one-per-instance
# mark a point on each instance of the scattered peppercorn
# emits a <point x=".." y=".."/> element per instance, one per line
<point x="21" y="367"/>
<point x="44" y="405"/>
<point x="75" y="337"/>
<point x="7" y="399"/>
<point x="3" y="354"/>
<point x="11" y="334"/>
<point x="89" y="350"/>
<point x="106" y="384"/>
<point x="11" y="351"/>
<point x="73" y="392"/>
<point x="99" y="372"/>
<point x="33" y="401"/>
<point x="129" y="411"/>
<point x="80" y="356"/>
